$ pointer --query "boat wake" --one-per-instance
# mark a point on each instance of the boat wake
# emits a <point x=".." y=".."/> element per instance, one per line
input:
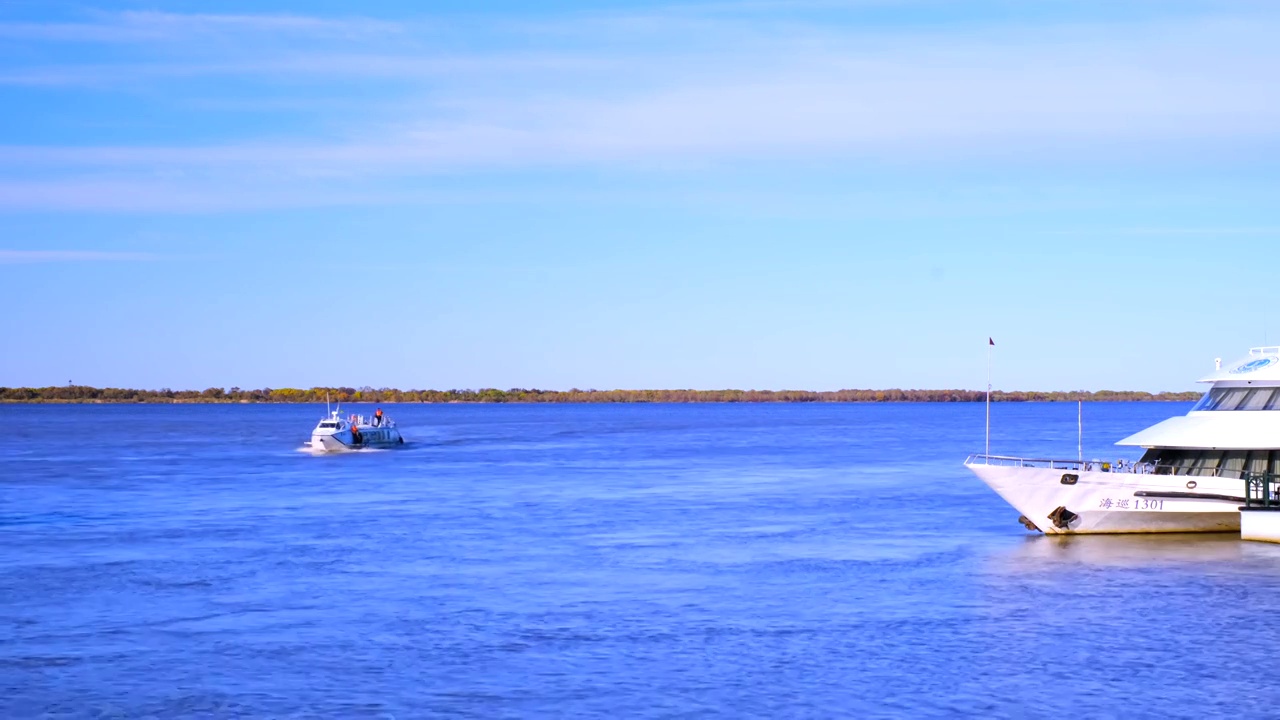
<point x="308" y="449"/>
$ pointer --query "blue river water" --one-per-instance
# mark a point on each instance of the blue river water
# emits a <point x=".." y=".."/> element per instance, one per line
<point x="648" y="561"/>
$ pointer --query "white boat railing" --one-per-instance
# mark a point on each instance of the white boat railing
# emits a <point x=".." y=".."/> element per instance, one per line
<point x="1120" y="466"/>
<point x="1052" y="464"/>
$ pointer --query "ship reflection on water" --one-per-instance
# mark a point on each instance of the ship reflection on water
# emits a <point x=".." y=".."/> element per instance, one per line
<point x="1221" y="549"/>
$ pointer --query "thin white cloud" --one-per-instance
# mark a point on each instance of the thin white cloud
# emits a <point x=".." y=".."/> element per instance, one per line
<point x="1069" y="93"/>
<point x="212" y="195"/>
<point x="140" y="26"/>
<point x="330" y="65"/>
<point x="21" y="257"/>
<point x="257" y="22"/>
<point x="1171" y="231"/>
<point x="916" y="100"/>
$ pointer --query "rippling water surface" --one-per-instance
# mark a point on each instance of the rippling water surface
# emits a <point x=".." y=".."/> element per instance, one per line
<point x="587" y="561"/>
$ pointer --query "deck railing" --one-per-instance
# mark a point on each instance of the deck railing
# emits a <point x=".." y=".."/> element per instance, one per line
<point x="1261" y="489"/>
<point x="1120" y="466"/>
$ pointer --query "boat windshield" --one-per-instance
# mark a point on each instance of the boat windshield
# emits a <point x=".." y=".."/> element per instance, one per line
<point x="1240" y="398"/>
<point x="328" y="424"/>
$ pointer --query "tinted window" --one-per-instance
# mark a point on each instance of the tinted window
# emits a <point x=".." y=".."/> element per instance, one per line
<point x="1255" y="399"/>
<point x="1245" y="398"/>
<point x="1230" y="399"/>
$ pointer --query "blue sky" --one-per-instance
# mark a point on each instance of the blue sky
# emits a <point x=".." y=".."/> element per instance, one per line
<point x="746" y="194"/>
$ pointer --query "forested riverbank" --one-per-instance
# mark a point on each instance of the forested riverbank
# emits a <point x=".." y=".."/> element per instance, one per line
<point x="86" y="394"/>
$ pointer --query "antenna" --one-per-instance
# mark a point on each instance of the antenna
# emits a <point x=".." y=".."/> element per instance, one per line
<point x="990" y="344"/>
<point x="327" y="411"/>
<point x="1080" y="430"/>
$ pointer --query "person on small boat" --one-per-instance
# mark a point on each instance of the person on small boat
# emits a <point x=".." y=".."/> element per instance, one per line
<point x="377" y="417"/>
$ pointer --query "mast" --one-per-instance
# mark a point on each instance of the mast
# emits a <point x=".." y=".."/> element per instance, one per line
<point x="990" y="344"/>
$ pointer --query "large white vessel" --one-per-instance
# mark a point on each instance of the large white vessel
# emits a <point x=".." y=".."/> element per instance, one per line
<point x="1192" y="477"/>
<point x="336" y="434"/>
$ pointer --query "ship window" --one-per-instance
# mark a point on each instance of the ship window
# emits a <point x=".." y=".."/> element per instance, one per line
<point x="1182" y="462"/>
<point x="1245" y="398"/>
<point x="1215" y="398"/>
<point x="1257" y="461"/>
<point x="1230" y="399"/>
<point x="1228" y="464"/>
<point x="1161" y="459"/>
<point x="1206" y="463"/>
<point x="1256" y="399"/>
<point x="1233" y="463"/>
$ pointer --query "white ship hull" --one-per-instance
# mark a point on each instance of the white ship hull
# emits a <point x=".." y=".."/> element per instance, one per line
<point x="344" y="441"/>
<point x="1116" y="502"/>
<point x="338" y="434"/>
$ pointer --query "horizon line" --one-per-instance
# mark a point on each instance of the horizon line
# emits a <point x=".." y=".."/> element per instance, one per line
<point x="85" y="393"/>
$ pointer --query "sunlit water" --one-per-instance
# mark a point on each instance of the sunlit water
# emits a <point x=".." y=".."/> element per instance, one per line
<point x="598" y="561"/>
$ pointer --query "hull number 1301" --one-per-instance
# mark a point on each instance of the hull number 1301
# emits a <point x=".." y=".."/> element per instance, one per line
<point x="1131" y="504"/>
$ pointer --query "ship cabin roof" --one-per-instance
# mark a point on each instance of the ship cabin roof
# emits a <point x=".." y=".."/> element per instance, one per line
<point x="1241" y="410"/>
<point x="1260" y="367"/>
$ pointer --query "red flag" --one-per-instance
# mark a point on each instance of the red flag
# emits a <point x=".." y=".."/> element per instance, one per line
<point x="990" y="341"/>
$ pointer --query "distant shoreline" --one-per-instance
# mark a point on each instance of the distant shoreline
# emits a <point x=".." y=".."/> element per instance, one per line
<point x="73" y="394"/>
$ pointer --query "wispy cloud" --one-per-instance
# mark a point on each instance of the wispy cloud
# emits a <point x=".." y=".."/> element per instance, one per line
<point x="20" y="257"/>
<point x="294" y="66"/>
<point x="730" y="92"/>
<point x="1157" y="232"/>
<point x="912" y="100"/>
<point x="137" y="26"/>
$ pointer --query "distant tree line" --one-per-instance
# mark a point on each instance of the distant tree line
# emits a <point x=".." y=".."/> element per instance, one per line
<point x="85" y="394"/>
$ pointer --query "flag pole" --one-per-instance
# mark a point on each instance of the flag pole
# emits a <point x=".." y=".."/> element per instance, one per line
<point x="990" y="344"/>
<point x="1080" y="430"/>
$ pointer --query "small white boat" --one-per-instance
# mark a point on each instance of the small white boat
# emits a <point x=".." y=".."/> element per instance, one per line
<point x="1197" y="471"/>
<point x="337" y="434"/>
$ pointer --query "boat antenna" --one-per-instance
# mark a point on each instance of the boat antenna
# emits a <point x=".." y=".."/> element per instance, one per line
<point x="990" y="344"/>
<point x="1080" y="429"/>
<point x="327" y="411"/>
